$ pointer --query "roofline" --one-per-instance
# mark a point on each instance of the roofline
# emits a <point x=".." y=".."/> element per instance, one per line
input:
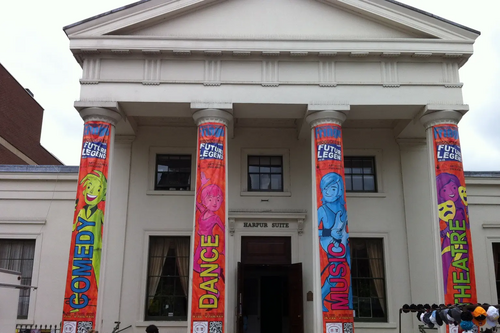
<point x="391" y="1"/>
<point x="20" y="85"/>
<point x="482" y="174"/>
<point x="119" y="9"/>
<point x="74" y="169"/>
<point x="48" y="152"/>
<point x="434" y="16"/>
<point x="38" y="168"/>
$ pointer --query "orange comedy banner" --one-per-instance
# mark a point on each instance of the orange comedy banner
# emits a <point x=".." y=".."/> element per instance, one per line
<point x="209" y="263"/>
<point x="82" y="282"/>
<point x="334" y="251"/>
<point x="456" y="246"/>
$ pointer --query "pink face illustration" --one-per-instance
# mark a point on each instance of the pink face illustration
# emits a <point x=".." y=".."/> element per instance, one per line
<point x="449" y="192"/>
<point x="213" y="203"/>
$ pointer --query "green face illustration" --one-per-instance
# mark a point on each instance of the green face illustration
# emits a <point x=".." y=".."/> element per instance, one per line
<point x="95" y="188"/>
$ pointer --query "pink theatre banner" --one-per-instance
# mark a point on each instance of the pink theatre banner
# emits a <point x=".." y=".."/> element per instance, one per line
<point x="456" y="246"/>
<point x="334" y="251"/>
<point x="209" y="263"/>
<point x="80" y="298"/>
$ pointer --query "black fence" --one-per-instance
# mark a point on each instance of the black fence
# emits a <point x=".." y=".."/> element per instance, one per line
<point x="23" y="328"/>
<point x="38" y="328"/>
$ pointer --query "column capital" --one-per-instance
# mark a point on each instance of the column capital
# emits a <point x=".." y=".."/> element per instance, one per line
<point x="99" y="111"/>
<point x="100" y="114"/>
<point x="212" y="115"/>
<point x="442" y="114"/>
<point x="326" y="116"/>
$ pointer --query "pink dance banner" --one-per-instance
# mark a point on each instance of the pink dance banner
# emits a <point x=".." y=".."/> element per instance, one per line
<point x="209" y="263"/>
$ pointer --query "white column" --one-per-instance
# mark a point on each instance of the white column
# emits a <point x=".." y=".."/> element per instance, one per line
<point x="316" y="121"/>
<point x="115" y="233"/>
<point x="205" y="307"/>
<point x="431" y="118"/>
<point x="111" y="117"/>
<point x="420" y="223"/>
<point x="451" y="216"/>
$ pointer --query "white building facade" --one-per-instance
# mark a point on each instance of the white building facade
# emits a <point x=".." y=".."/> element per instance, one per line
<point x="267" y="66"/>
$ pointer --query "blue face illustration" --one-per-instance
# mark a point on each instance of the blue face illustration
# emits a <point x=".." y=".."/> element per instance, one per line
<point x="331" y="192"/>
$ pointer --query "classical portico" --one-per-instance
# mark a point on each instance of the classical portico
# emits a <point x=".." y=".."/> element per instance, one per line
<point x="375" y="68"/>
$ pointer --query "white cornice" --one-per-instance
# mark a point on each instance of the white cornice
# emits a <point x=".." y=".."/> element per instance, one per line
<point x="276" y="44"/>
<point x="37" y="195"/>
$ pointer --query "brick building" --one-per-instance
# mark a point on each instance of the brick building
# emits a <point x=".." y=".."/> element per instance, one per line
<point x="21" y="125"/>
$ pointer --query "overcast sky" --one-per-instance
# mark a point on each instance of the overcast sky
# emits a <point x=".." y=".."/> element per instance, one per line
<point x="35" y="50"/>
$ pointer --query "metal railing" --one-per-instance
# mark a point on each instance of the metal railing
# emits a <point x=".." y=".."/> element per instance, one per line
<point x="117" y="329"/>
<point x="425" y="329"/>
<point x="26" y="328"/>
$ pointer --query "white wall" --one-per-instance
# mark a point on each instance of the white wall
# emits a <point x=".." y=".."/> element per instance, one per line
<point x="484" y="208"/>
<point x="9" y="300"/>
<point x="41" y="207"/>
<point x="155" y="213"/>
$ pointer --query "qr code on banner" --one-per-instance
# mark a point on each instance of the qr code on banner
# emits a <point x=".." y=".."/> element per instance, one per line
<point x="216" y="327"/>
<point x="69" y="327"/>
<point x="348" y="328"/>
<point x="84" y="326"/>
<point x="333" y="327"/>
<point x="200" y="326"/>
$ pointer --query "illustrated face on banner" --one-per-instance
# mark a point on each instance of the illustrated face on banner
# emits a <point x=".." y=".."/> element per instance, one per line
<point x="331" y="192"/>
<point x="95" y="188"/>
<point x="463" y="195"/>
<point x="212" y="197"/>
<point x="449" y="191"/>
<point x="447" y="210"/>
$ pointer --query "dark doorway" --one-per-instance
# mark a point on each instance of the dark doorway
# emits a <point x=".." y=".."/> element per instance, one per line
<point x="266" y="250"/>
<point x="269" y="287"/>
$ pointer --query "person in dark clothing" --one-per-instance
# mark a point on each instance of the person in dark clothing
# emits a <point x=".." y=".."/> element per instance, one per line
<point x="151" y="329"/>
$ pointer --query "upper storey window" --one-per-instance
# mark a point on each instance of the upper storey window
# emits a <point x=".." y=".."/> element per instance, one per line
<point x="265" y="173"/>
<point x="173" y="172"/>
<point x="360" y="174"/>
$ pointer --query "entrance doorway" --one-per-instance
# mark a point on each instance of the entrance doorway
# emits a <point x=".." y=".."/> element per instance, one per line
<point x="269" y="287"/>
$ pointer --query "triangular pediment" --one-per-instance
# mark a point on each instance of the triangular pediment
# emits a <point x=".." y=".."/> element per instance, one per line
<point x="269" y="19"/>
<point x="296" y="19"/>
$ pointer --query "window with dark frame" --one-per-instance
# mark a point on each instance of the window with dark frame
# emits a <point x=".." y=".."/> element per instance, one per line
<point x="18" y="255"/>
<point x="173" y="172"/>
<point x="496" y="267"/>
<point x="168" y="278"/>
<point x="360" y="174"/>
<point x="368" y="279"/>
<point x="265" y="173"/>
